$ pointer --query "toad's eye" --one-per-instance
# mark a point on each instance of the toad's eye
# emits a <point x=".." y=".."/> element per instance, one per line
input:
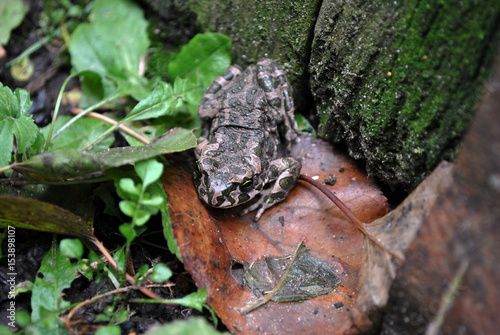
<point x="246" y="185"/>
<point x="197" y="170"/>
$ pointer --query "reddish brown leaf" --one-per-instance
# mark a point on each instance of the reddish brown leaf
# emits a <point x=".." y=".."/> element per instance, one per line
<point x="210" y="239"/>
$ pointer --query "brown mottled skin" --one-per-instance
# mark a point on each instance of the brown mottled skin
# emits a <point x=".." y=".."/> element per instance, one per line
<point x="246" y="117"/>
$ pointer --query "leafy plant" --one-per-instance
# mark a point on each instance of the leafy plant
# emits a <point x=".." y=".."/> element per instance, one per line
<point x="11" y="15"/>
<point x="16" y="124"/>
<point x="106" y="56"/>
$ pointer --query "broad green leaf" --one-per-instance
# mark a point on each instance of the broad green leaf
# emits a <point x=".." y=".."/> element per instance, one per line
<point x="167" y="99"/>
<point x="64" y="164"/>
<point x="205" y="57"/>
<point x="158" y="103"/>
<point x="55" y="274"/>
<point x="11" y="15"/>
<point x="175" y="140"/>
<point x="191" y="326"/>
<point x="42" y="216"/>
<point x="112" y="44"/>
<point x="161" y="273"/>
<point x="15" y="122"/>
<point x="79" y="134"/>
<point x="60" y="164"/>
<point x="149" y="171"/>
<point x="71" y="247"/>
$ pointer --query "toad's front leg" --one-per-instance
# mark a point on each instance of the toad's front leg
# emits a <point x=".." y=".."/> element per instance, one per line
<point x="283" y="174"/>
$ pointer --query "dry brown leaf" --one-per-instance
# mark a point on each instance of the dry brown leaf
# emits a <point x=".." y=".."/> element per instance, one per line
<point x="396" y="231"/>
<point x="211" y="240"/>
<point x="449" y="282"/>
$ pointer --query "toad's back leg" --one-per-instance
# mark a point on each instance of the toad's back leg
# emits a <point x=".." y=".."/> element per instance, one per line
<point x="278" y="92"/>
<point x="209" y="105"/>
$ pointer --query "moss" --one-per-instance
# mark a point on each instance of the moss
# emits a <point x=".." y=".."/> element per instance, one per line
<point x="277" y="29"/>
<point x="404" y="88"/>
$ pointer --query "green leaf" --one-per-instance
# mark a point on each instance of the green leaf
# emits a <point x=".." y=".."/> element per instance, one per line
<point x="149" y="171"/>
<point x="79" y="134"/>
<point x="127" y="230"/>
<point x="175" y="140"/>
<point x="42" y="216"/>
<point x="196" y="300"/>
<point x="157" y="189"/>
<point x="157" y="103"/>
<point x="11" y="15"/>
<point x="109" y="330"/>
<point x="153" y="202"/>
<point x="55" y="274"/>
<point x="141" y="217"/>
<point x="60" y="164"/>
<point x="112" y="44"/>
<point x="161" y="273"/>
<point x="65" y="163"/>
<point x="128" y="186"/>
<point x="71" y="247"/>
<point x="15" y="122"/>
<point x="205" y="57"/>
<point x="128" y="207"/>
<point x="191" y="326"/>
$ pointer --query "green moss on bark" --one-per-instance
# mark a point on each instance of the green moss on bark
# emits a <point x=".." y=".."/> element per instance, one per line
<point x="398" y="82"/>
<point x="278" y="29"/>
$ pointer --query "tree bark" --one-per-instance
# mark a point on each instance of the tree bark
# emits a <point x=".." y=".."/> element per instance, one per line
<point x="396" y="81"/>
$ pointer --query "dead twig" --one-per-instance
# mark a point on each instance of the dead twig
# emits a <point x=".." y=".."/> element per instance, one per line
<point x="350" y="215"/>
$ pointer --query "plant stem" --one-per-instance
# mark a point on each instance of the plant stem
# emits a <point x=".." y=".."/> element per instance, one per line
<point x="350" y="215"/>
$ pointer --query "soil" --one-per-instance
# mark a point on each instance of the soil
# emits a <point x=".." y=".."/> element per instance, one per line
<point x="51" y="68"/>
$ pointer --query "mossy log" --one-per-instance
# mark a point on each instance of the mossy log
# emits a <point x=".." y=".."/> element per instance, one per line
<point x="396" y="81"/>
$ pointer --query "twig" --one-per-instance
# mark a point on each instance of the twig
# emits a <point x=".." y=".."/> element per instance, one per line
<point x="128" y="277"/>
<point x="261" y="301"/>
<point x="68" y="317"/>
<point x="350" y="215"/>
<point x="113" y="122"/>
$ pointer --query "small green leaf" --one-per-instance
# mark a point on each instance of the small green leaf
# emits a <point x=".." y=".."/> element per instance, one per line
<point x="191" y="326"/>
<point x="196" y="300"/>
<point x="128" y="186"/>
<point x="15" y="122"/>
<point x="157" y="189"/>
<point x="205" y="57"/>
<point x="161" y="273"/>
<point x="23" y="318"/>
<point x="128" y="207"/>
<point x="55" y="274"/>
<point x="127" y="230"/>
<point x="141" y="217"/>
<point x="109" y="330"/>
<point x="72" y="248"/>
<point x="11" y="15"/>
<point x="141" y="272"/>
<point x="153" y="202"/>
<point x="149" y="171"/>
<point x="42" y="216"/>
